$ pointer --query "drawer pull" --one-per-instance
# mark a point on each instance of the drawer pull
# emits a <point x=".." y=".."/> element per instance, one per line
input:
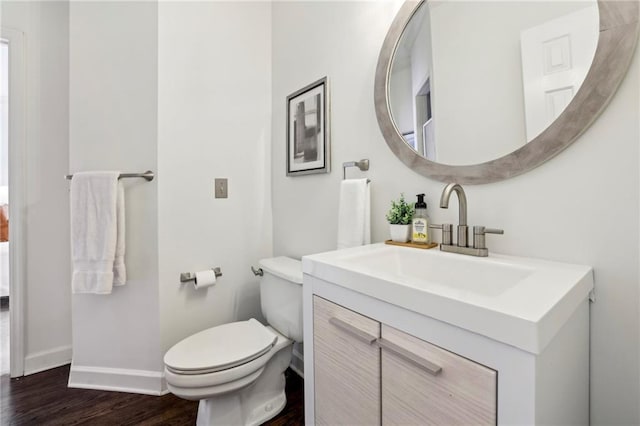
<point x="354" y="331"/>
<point x="416" y="360"/>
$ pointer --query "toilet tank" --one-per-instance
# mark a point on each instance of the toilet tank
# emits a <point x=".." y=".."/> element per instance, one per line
<point x="281" y="295"/>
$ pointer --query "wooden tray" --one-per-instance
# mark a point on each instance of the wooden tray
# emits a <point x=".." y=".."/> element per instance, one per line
<point x="414" y="245"/>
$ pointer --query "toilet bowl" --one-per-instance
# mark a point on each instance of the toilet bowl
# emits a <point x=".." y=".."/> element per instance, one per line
<point x="236" y="370"/>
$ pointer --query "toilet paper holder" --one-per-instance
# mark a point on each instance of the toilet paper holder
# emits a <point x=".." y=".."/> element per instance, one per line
<point x="186" y="277"/>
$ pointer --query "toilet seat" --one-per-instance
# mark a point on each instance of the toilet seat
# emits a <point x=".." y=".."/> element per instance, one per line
<point x="220" y="348"/>
<point x="217" y="378"/>
<point x="198" y="386"/>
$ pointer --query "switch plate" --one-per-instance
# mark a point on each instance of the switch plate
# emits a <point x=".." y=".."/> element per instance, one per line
<point x="221" y="188"/>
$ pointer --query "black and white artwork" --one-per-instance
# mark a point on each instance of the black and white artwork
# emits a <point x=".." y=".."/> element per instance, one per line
<point x="307" y="130"/>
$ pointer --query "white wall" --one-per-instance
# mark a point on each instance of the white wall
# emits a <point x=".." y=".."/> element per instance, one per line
<point x="214" y="122"/>
<point x="341" y="42"/>
<point x="402" y="111"/>
<point x="47" y="324"/>
<point x="581" y="206"/>
<point x="114" y="126"/>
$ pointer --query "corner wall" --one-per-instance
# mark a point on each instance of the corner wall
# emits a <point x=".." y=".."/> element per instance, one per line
<point x="157" y="85"/>
<point x="580" y="207"/>
<point x="114" y="126"/>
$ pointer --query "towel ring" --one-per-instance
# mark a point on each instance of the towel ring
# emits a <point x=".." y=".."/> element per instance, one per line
<point x="363" y="165"/>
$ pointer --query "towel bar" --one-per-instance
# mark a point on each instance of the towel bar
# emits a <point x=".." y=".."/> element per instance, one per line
<point x="148" y="175"/>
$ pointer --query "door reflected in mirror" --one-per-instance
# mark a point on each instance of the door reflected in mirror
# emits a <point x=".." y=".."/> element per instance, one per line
<point x="471" y="82"/>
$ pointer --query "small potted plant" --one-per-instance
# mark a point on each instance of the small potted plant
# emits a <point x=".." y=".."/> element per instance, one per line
<point x="399" y="217"/>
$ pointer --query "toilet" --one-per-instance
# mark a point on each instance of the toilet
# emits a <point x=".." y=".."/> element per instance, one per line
<point x="236" y="370"/>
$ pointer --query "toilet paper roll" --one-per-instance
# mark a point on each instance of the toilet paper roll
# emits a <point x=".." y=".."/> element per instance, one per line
<point x="204" y="279"/>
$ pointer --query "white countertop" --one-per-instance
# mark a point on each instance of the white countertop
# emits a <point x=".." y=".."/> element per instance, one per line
<point x="522" y="302"/>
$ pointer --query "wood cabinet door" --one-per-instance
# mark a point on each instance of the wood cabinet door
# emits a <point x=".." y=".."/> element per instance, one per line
<point x="346" y="366"/>
<point x="423" y="384"/>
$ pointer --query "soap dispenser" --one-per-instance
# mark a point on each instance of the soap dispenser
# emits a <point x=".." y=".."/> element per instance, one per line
<point x="420" y="222"/>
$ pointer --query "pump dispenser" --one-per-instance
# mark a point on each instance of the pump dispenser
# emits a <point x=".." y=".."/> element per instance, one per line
<point x="420" y="223"/>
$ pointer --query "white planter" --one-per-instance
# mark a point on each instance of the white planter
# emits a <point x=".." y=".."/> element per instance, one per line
<point x="400" y="233"/>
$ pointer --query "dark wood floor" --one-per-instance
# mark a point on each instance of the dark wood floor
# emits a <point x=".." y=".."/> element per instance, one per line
<point x="44" y="399"/>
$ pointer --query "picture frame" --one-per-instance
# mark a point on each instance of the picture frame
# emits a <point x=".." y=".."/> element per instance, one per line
<point x="308" y="145"/>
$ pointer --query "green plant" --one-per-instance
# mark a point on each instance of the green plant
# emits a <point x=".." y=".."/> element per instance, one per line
<point x="400" y="213"/>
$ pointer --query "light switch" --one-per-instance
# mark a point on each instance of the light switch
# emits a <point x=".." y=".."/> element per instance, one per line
<point x="221" y="187"/>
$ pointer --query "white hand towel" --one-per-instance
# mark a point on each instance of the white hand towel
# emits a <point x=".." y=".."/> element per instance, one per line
<point x="354" y="214"/>
<point x="119" y="270"/>
<point x="94" y="231"/>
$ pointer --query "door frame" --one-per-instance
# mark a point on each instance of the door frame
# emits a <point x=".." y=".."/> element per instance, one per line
<point x="17" y="194"/>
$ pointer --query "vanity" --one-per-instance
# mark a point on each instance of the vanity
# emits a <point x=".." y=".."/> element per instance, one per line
<point x="407" y="336"/>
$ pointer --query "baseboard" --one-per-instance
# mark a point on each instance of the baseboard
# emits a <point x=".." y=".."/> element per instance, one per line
<point x="297" y="362"/>
<point x="45" y="360"/>
<point x="118" y="380"/>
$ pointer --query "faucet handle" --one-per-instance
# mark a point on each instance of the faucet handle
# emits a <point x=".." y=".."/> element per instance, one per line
<point x="479" y="235"/>
<point x="447" y="232"/>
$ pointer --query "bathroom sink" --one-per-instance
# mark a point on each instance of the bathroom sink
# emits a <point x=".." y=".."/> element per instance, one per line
<point x="429" y="270"/>
<point x="519" y="301"/>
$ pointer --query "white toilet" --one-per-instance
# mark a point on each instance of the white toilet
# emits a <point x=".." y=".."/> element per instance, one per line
<point x="236" y="370"/>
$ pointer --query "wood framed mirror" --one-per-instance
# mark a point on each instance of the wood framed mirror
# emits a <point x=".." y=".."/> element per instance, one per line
<point x="615" y="37"/>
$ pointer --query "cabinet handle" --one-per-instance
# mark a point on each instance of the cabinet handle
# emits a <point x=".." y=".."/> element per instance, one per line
<point x="414" y="359"/>
<point x="354" y="331"/>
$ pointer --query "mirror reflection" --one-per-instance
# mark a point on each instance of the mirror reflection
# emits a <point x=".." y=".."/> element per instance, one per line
<point x="474" y="81"/>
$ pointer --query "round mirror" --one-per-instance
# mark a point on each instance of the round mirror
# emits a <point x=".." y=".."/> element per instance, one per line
<point x="476" y="92"/>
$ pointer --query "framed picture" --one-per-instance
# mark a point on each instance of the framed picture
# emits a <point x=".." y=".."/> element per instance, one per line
<point x="308" y="130"/>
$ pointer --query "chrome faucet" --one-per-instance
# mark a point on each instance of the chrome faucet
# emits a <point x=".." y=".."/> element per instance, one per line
<point x="479" y="246"/>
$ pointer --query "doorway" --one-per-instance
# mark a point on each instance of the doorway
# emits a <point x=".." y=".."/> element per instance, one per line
<point x="12" y="199"/>
<point x="425" y="139"/>
<point x="4" y="209"/>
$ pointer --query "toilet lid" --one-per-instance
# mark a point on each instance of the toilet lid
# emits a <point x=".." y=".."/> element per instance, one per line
<point x="283" y="267"/>
<point x="219" y="348"/>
